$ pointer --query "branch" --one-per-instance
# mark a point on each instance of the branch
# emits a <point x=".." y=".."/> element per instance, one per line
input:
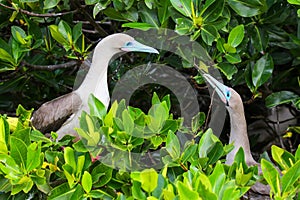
<point x="38" y="14"/>
<point x="100" y="30"/>
<point x="51" y="67"/>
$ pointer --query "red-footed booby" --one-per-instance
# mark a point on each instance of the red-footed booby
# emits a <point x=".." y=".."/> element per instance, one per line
<point x="238" y="127"/>
<point x="62" y="114"/>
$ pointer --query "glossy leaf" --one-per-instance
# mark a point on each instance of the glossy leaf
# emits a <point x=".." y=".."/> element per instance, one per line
<point x="262" y="70"/>
<point x="65" y="30"/>
<point x="248" y="8"/>
<point x="185" y="192"/>
<point x="198" y="121"/>
<point x="138" y="25"/>
<point x="282" y="97"/>
<point x="227" y="69"/>
<point x="101" y="175"/>
<point x="217" y="178"/>
<point x="50" y="3"/>
<point x="282" y="157"/>
<point x="212" y="11"/>
<point x="18" y="151"/>
<point x="182" y="6"/>
<point x="97" y="108"/>
<point x="290" y="177"/>
<point x="128" y="122"/>
<point x="18" y="34"/>
<point x="271" y="175"/>
<point x="173" y="145"/>
<point x="87" y="181"/>
<point x="236" y="36"/>
<point x="183" y="25"/>
<point x="6" y="56"/>
<point x="70" y="157"/>
<point x="33" y="156"/>
<point x="149" y="178"/>
<point x="209" y="34"/>
<point x="4" y="132"/>
<point x="233" y="58"/>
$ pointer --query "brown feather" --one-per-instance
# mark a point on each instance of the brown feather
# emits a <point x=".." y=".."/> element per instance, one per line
<point x="51" y="115"/>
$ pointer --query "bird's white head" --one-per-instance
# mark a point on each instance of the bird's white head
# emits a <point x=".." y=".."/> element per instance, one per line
<point x="122" y="42"/>
<point x="228" y="95"/>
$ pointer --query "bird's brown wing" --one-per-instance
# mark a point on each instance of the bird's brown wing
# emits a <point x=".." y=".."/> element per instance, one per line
<point x="52" y="114"/>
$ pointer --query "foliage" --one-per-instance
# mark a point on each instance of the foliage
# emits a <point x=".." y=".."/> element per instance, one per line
<point x="253" y="43"/>
<point x="33" y="165"/>
<point x="286" y="186"/>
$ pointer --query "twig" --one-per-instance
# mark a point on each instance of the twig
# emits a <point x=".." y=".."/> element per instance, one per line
<point x="209" y="110"/>
<point x="100" y="30"/>
<point x="38" y="14"/>
<point x="51" y="67"/>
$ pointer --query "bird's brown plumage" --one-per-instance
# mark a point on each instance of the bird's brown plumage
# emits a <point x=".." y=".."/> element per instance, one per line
<point x="51" y="115"/>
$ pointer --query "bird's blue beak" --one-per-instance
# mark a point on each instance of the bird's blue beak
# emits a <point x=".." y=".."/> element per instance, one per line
<point x="138" y="47"/>
<point x="222" y="90"/>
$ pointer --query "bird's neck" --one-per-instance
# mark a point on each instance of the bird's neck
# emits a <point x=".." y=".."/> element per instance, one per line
<point x="238" y="134"/>
<point x="96" y="79"/>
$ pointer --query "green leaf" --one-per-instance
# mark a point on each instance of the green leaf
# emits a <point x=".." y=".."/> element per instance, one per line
<point x="70" y="157"/>
<point x="4" y="134"/>
<point x="86" y="181"/>
<point x="158" y="114"/>
<point x="290" y="177"/>
<point x="248" y="8"/>
<point x="259" y="38"/>
<point x="50" y="3"/>
<point x="262" y="70"/>
<point x="65" y="30"/>
<point x="236" y="36"/>
<point x="149" y="178"/>
<point x="101" y="175"/>
<point x="173" y="145"/>
<point x="182" y="6"/>
<point x="284" y="158"/>
<point x="108" y="120"/>
<point x="33" y="156"/>
<point x="137" y="191"/>
<point x="99" y="7"/>
<point x="217" y="178"/>
<point x="295" y="2"/>
<point x="207" y="143"/>
<point x="28" y="1"/>
<point x="18" y="151"/>
<point x="233" y="58"/>
<point x="227" y="69"/>
<point x="271" y="175"/>
<point x="183" y="25"/>
<point x="61" y="192"/>
<point x="77" y="31"/>
<point x="209" y="34"/>
<point x="57" y="35"/>
<point x="97" y="108"/>
<point x="278" y="98"/>
<point x="19" y="34"/>
<point x="213" y="11"/>
<point x="185" y="192"/>
<point x="198" y="121"/>
<point x="148" y="16"/>
<point x="163" y="12"/>
<point x="6" y="57"/>
<point x="155" y="99"/>
<point x="128" y="122"/>
<point x="138" y="25"/>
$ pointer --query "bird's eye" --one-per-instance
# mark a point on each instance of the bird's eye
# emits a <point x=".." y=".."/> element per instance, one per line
<point x="228" y="94"/>
<point x="128" y="44"/>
